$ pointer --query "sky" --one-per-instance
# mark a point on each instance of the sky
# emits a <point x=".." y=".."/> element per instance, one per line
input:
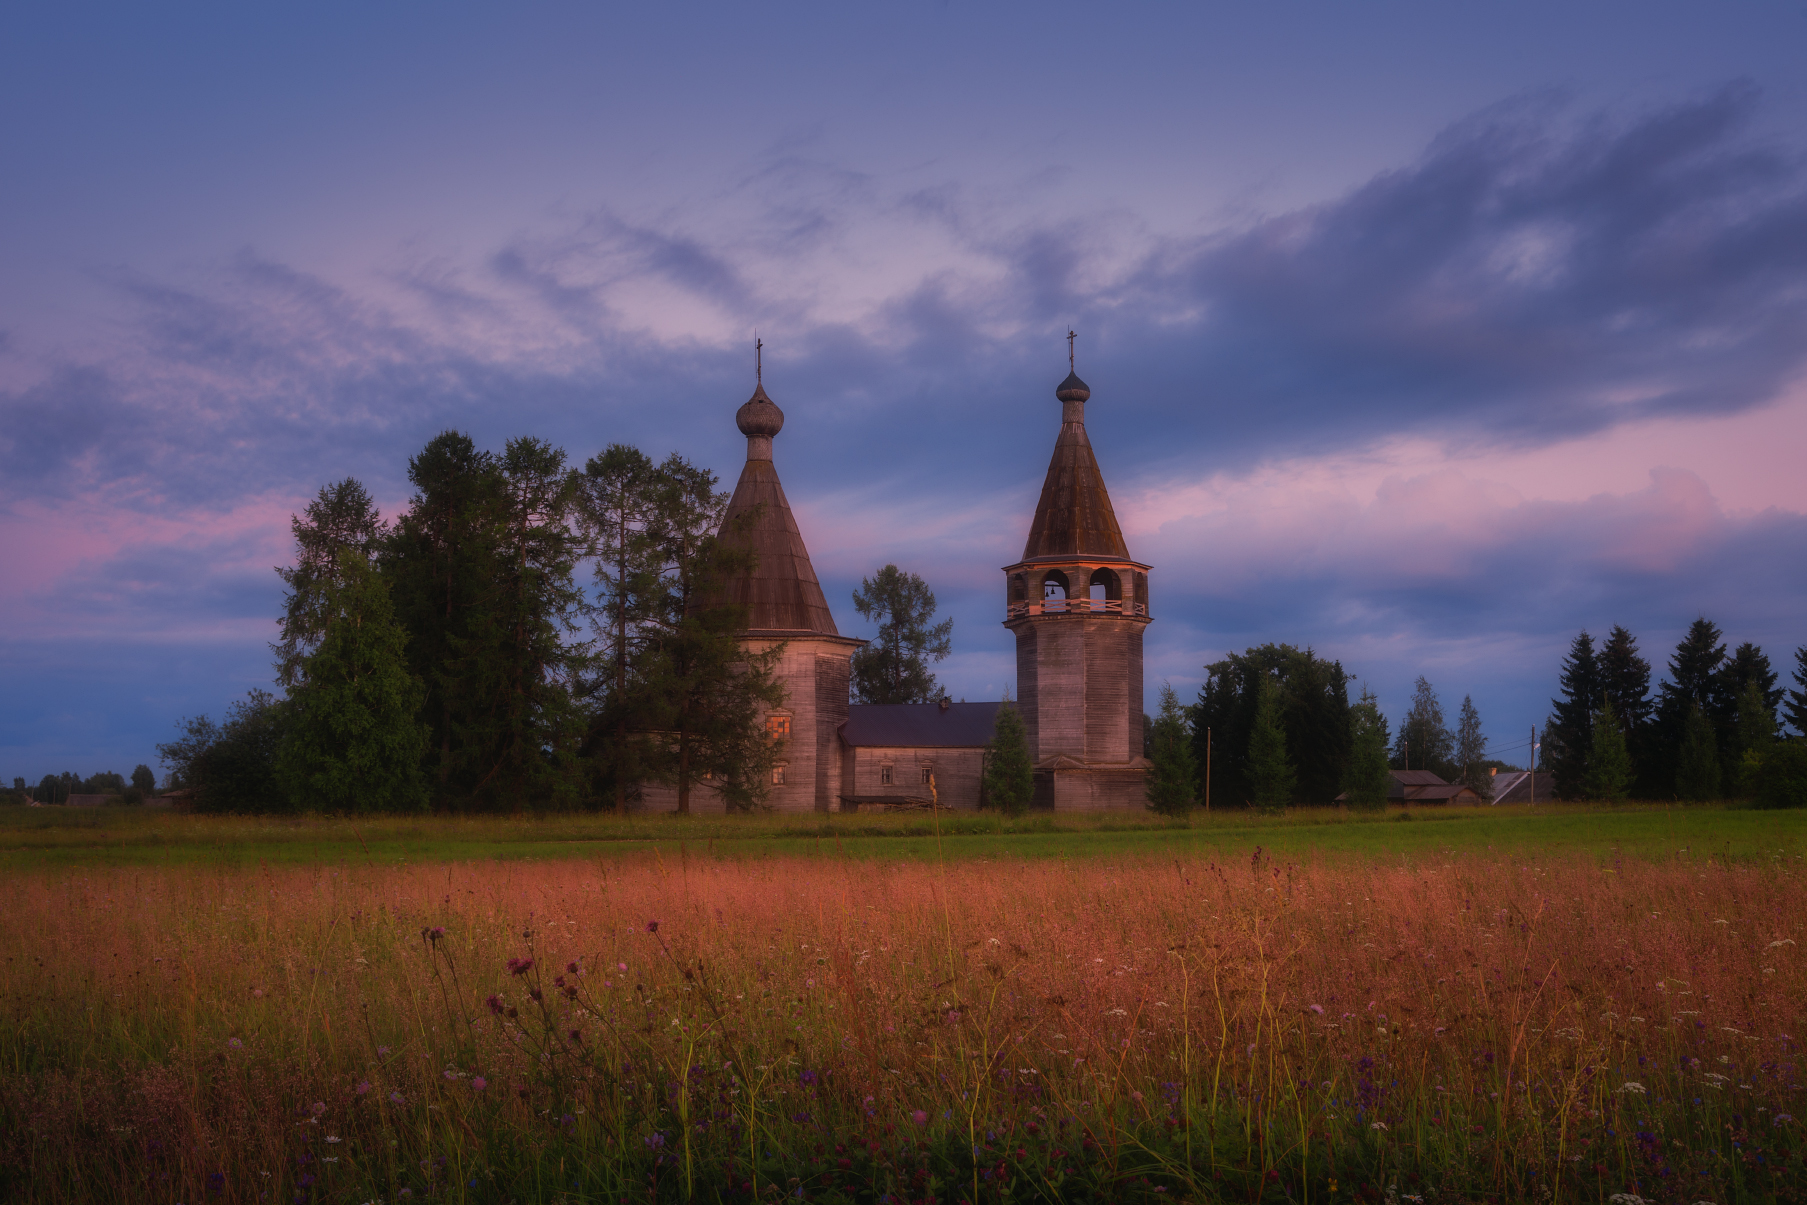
<point x="1423" y="334"/>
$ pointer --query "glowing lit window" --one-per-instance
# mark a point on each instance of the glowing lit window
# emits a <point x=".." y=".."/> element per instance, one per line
<point x="778" y="727"/>
<point x="777" y="776"/>
<point x="884" y="776"/>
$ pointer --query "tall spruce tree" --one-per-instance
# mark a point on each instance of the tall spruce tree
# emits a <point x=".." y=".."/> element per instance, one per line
<point x="1471" y="750"/>
<point x="1608" y="765"/>
<point x="355" y="741"/>
<point x="1694" y="681"/>
<point x="1173" y="777"/>
<point x="621" y="516"/>
<point x="1271" y="777"/>
<point x="895" y="667"/>
<point x="1625" y="679"/>
<point x="342" y="517"/>
<point x="1314" y="715"/>
<point x="1424" y="741"/>
<point x="1756" y="733"/>
<point x="1697" y="772"/>
<point x="1368" y="778"/>
<point x="1797" y="699"/>
<point x="1009" y="773"/>
<point x="1569" y="735"/>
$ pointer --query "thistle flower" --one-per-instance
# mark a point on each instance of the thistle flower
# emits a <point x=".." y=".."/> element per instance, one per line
<point x="652" y="926"/>
<point x="519" y="966"/>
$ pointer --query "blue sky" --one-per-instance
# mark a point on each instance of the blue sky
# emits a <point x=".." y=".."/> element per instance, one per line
<point x="1423" y="334"/>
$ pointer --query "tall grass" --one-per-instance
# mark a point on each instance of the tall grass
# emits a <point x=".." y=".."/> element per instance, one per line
<point x="1457" y="1028"/>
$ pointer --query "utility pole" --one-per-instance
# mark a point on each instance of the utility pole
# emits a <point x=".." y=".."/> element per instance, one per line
<point x="1207" y="771"/>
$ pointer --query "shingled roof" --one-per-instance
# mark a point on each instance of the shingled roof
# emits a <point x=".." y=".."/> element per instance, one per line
<point x="1074" y="516"/>
<point x="781" y="594"/>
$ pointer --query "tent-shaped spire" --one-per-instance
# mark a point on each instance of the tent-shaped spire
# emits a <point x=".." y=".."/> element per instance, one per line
<point x="1074" y="516"/>
<point x="782" y="593"/>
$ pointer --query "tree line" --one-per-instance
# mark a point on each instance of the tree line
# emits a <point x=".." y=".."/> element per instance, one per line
<point x="1715" y="729"/>
<point x="57" y="788"/>
<point x="526" y="634"/>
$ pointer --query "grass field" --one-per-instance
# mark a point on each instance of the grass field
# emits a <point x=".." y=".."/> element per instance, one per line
<point x="45" y="837"/>
<point x="1469" y="1006"/>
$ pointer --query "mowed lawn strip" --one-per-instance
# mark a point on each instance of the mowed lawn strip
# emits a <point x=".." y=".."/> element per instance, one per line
<point x="44" y="838"/>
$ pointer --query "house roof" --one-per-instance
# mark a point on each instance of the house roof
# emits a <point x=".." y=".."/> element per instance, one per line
<point x="1074" y="516"/>
<point x="920" y="725"/>
<point x="1419" y="778"/>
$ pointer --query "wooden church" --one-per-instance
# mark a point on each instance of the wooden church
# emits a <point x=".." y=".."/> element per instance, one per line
<point x="1076" y="602"/>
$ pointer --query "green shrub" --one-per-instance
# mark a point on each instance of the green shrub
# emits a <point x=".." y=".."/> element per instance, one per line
<point x="1780" y="777"/>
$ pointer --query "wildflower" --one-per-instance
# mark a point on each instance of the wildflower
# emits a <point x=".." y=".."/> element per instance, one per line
<point x="479" y="1083"/>
<point x="382" y="1050"/>
<point x="919" y="1117"/>
<point x="364" y="1088"/>
<point x="495" y="1005"/>
<point x="519" y="966"/>
<point x="395" y="1098"/>
<point x="622" y="967"/>
<point x="451" y="1075"/>
<point x="1633" y="1087"/>
<point x="1782" y="1117"/>
<point x="1379" y="1125"/>
<point x="319" y="1107"/>
<point x="571" y="967"/>
<point x="1316" y="1008"/>
<point x="332" y="1138"/>
<point x="234" y="1043"/>
<point x="652" y="926"/>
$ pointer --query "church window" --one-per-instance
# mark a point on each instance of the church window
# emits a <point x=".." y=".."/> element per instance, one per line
<point x="778" y="727"/>
<point x="778" y="775"/>
<point x="928" y="772"/>
<point x="884" y="776"/>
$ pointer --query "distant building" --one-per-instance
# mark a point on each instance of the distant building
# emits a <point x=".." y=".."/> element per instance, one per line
<point x="1523" y="786"/>
<point x="891" y="751"/>
<point x="1422" y="786"/>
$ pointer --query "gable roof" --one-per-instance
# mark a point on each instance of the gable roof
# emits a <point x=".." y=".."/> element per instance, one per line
<point x="920" y="725"/>
<point x="1418" y="778"/>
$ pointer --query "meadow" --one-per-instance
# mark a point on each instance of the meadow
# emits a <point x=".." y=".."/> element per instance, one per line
<point x="1571" y="1006"/>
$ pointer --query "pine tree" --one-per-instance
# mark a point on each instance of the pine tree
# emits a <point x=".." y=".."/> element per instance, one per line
<point x="1471" y="750"/>
<point x="1173" y="777"/>
<point x="1368" y="779"/>
<point x="1797" y="699"/>
<point x="1424" y="741"/>
<point x="355" y="740"/>
<point x="1608" y="765"/>
<point x="1756" y="733"/>
<point x="1570" y="732"/>
<point x="1694" y="681"/>
<point x="1625" y="678"/>
<point x="341" y="517"/>
<point x="1270" y="773"/>
<point x="1697" y="762"/>
<point x="1314" y="715"/>
<point x="1009" y="774"/>
<point x="895" y="667"/>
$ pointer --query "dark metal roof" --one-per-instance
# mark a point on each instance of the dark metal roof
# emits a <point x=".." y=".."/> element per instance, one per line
<point x="1074" y="516"/>
<point x="920" y="725"/>
<point x="782" y="593"/>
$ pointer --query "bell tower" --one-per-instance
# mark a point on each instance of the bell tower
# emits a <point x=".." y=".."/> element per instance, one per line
<point x="1078" y="604"/>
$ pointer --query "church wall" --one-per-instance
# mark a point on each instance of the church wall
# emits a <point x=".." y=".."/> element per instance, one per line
<point x="832" y="673"/>
<point x="1060" y="688"/>
<point x="958" y="773"/>
<point x="1027" y="687"/>
<point x="1106" y="689"/>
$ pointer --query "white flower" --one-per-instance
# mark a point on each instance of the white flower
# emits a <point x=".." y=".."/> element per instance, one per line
<point x="1632" y="1086"/>
<point x="1379" y="1125"/>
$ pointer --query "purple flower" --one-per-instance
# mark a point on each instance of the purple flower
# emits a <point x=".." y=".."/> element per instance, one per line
<point x="622" y="967"/>
<point x="364" y="1088"/>
<point x="571" y="967"/>
<point x="395" y="1098"/>
<point x="652" y="926"/>
<point x="519" y="966"/>
<point x="479" y="1083"/>
<point x="234" y="1043"/>
<point x="919" y="1117"/>
<point x="495" y="1005"/>
<point x="319" y="1107"/>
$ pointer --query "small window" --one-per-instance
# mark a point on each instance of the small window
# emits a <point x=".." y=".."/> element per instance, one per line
<point x="777" y="776"/>
<point x="884" y="776"/>
<point x="778" y="727"/>
<point x="928" y="772"/>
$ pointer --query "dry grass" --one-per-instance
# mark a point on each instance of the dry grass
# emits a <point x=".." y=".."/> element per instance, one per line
<point x="1452" y="1028"/>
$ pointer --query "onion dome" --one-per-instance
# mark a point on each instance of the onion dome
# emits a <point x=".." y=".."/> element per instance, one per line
<point x="1073" y="389"/>
<point x="760" y="416"/>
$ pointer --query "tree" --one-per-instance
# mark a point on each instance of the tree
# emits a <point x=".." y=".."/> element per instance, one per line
<point x="1314" y="714"/>
<point x="144" y="779"/>
<point x="1780" y="780"/>
<point x="342" y="516"/>
<point x="1570" y="731"/>
<point x="1471" y="750"/>
<point x="1009" y="774"/>
<point x="1425" y="741"/>
<point x="1270" y="772"/>
<point x="1608" y="765"/>
<point x="1694" y="681"/>
<point x="1756" y="733"/>
<point x="1368" y="779"/>
<point x="1697" y="762"/>
<point x="1173" y="778"/>
<point x="620" y="509"/>
<point x="895" y="667"/>
<point x="1797" y="699"/>
<point x="705" y="692"/>
<point x="232" y="767"/>
<point x="1625" y="679"/>
<point x="355" y="742"/>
